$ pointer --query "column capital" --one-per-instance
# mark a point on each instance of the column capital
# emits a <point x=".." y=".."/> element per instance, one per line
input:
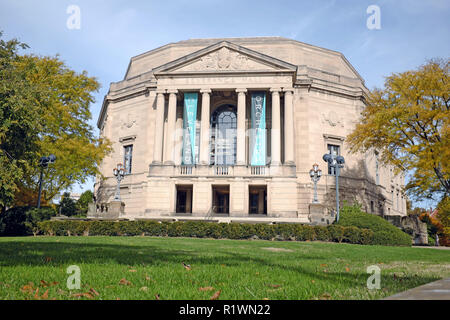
<point x="160" y="91"/>
<point x="275" y="90"/>
<point x="203" y="91"/>
<point x="170" y="91"/>
<point x="288" y="90"/>
<point x="241" y="90"/>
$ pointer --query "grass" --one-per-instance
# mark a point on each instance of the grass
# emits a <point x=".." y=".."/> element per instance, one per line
<point x="239" y="269"/>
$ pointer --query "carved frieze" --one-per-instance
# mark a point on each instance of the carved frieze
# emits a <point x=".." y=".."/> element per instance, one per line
<point x="224" y="59"/>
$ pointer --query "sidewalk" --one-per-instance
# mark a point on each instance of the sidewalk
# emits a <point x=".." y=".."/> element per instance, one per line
<point x="437" y="290"/>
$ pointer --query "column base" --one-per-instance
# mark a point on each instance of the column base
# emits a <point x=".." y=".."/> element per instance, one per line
<point x="318" y="215"/>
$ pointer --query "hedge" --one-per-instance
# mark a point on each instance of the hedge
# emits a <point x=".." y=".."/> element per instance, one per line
<point x="203" y="229"/>
<point x="384" y="233"/>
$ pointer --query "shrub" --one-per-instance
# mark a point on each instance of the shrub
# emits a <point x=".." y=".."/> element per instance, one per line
<point x="384" y="233"/>
<point x="21" y="221"/>
<point x="322" y="233"/>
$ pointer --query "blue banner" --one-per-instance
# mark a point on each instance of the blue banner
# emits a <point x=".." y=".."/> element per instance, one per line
<point x="258" y="117"/>
<point x="189" y="127"/>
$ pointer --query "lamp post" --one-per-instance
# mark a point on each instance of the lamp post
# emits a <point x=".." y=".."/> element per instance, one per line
<point x="119" y="172"/>
<point x="43" y="163"/>
<point x="336" y="162"/>
<point x="315" y="173"/>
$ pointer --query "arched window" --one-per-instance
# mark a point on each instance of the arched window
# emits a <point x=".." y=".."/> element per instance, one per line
<point x="223" y="135"/>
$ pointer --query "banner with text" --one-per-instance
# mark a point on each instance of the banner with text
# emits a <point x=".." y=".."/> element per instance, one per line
<point x="258" y="117"/>
<point x="189" y="127"/>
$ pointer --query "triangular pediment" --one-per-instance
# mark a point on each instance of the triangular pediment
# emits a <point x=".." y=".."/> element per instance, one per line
<point x="226" y="57"/>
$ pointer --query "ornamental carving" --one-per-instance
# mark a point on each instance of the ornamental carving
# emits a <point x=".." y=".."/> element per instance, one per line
<point x="332" y="119"/>
<point x="224" y="60"/>
<point x="129" y="122"/>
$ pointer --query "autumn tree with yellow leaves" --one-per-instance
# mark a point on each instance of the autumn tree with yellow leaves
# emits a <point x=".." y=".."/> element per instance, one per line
<point x="408" y="122"/>
<point x="44" y="109"/>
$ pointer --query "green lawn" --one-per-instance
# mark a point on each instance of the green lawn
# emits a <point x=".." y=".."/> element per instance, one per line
<point x="239" y="269"/>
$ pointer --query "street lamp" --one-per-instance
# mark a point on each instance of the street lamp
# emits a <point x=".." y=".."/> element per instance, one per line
<point x="336" y="162"/>
<point x="119" y="172"/>
<point x="43" y="163"/>
<point x="315" y="173"/>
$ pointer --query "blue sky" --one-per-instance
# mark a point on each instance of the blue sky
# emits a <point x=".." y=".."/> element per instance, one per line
<point x="113" y="31"/>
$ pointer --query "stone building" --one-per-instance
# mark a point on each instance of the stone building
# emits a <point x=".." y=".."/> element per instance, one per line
<point x="230" y="128"/>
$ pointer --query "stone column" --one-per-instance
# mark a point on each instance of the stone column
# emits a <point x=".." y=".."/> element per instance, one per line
<point x="159" y="128"/>
<point x="241" y="108"/>
<point x="179" y="141"/>
<point x="204" y="129"/>
<point x="171" y="118"/>
<point x="276" y="128"/>
<point x="288" y="127"/>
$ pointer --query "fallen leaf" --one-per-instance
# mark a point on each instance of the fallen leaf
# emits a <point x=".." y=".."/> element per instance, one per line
<point x="84" y="294"/>
<point x="28" y="288"/>
<point x="325" y="296"/>
<point x="347" y="269"/>
<point x="48" y="259"/>
<point x="274" y="285"/>
<point x="265" y="298"/>
<point x="187" y="266"/>
<point x="157" y="297"/>
<point x="44" y="283"/>
<point x="323" y="265"/>
<point x="216" y="295"/>
<point x="313" y="281"/>
<point x="93" y="291"/>
<point x="132" y="270"/>
<point x="36" y="294"/>
<point x="124" y="282"/>
<point x="206" y="289"/>
<point x="143" y="289"/>
<point x="45" y="295"/>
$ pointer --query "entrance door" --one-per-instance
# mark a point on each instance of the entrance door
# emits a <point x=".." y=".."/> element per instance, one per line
<point x="221" y="199"/>
<point x="184" y="199"/>
<point x="257" y="196"/>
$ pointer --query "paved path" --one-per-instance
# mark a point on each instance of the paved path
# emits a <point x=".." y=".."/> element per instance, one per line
<point x="438" y="248"/>
<point x="438" y="290"/>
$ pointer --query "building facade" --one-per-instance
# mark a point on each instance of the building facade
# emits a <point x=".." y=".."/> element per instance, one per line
<point x="230" y="128"/>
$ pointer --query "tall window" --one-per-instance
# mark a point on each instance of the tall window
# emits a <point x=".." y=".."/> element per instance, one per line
<point x="335" y="150"/>
<point x="127" y="159"/>
<point x="223" y="136"/>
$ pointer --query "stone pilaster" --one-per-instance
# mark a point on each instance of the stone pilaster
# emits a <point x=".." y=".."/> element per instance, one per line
<point x="159" y="127"/>
<point x="241" y="108"/>
<point x="288" y="127"/>
<point x="276" y="128"/>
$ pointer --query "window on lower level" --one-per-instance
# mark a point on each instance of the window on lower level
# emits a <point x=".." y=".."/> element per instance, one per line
<point x="128" y="156"/>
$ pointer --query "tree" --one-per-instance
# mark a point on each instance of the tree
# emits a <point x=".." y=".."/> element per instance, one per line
<point x="409" y="123"/>
<point x="67" y="206"/>
<point x="44" y="109"/>
<point x="83" y="202"/>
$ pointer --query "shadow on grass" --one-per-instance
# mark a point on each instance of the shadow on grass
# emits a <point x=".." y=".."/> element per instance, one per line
<point x="54" y="254"/>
